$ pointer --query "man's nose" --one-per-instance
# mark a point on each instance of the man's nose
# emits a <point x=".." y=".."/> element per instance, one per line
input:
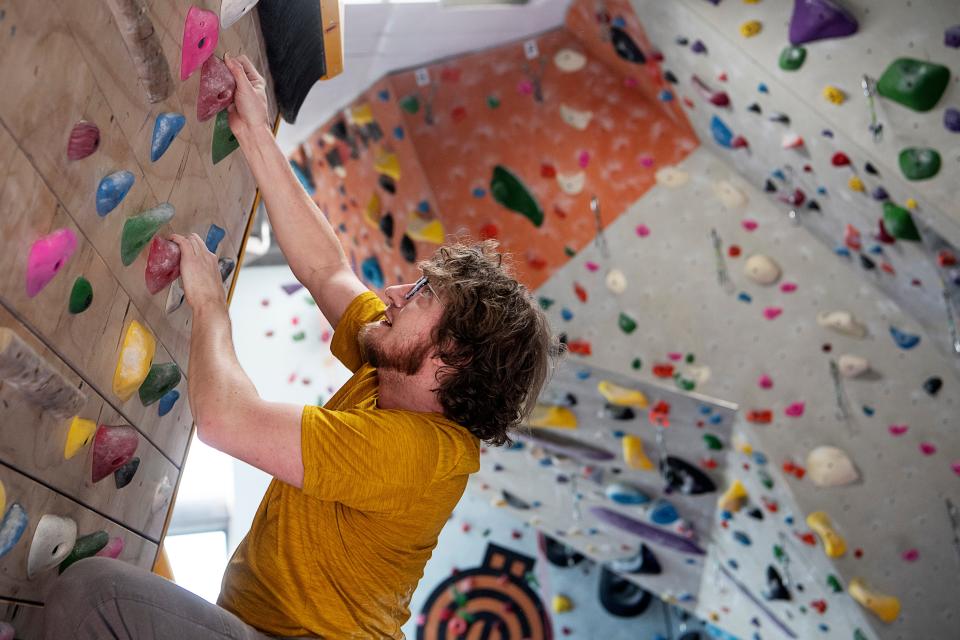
<point x="395" y="295"/>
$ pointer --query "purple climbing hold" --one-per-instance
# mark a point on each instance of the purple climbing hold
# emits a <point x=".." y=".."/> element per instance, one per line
<point x="820" y="20"/>
<point x="698" y="47"/>
<point x="951" y="119"/>
<point x="880" y="194"/>
<point x="951" y="37"/>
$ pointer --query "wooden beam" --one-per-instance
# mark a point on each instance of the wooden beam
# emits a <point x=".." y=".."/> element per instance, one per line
<point x="23" y="369"/>
<point x="144" y="48"/>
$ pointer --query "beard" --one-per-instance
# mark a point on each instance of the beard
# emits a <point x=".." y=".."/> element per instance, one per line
<point x="406" y="359"/>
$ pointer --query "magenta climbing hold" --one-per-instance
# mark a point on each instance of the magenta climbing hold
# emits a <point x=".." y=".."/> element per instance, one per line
<point x="820" y="20"/>
<point x="163" y="264"/>
<point x="113" y="447"/>
<point x="47" y="257"/>
<point x="216" y="88"/>
<point x="84" y="140"/>
<point x="200" y="32"/>
<point x="113" y="549"/>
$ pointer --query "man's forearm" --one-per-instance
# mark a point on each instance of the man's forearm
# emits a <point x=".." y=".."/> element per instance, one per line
<point x="218" y="387"/>
<point x="305" y="236"/>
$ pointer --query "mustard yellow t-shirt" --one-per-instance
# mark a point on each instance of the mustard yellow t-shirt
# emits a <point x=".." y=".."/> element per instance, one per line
<point x="341" y="557"/>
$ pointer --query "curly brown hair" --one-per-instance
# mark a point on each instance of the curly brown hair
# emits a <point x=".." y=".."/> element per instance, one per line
<point x="493" y="339"/>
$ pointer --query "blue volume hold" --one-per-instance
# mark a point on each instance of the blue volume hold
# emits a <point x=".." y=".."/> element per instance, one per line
<point x="214" y="235"/>
<point x="165" y="129"/>
<point x="372" y="272"/>
<point x="167" y="401"/>
<point x="113" y="188"/>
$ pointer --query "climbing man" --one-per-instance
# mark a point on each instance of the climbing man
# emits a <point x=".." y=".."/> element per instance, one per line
<point x="362" y="486"/>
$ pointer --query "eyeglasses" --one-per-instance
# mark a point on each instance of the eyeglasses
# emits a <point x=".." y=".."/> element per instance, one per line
<point x="417" y="286"/>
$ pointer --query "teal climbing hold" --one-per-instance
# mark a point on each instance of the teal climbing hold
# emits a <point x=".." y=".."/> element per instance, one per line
<point x="372" y="272"/>
<point x="140" y="229"/>
<point x="899" y="223"/>
<point x="112" y="190"/>
<point x="509" y="191"/>
<point x="903" y="339"/>
<point x="915" y="84"/>
<point x="165" y="129"/>
<point x="919" y="164"/>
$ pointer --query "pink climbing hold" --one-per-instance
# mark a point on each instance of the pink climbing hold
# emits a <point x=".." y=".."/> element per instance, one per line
<point x="765" y="382"/>
<point x="216" y="88"/>
<point x="112" y="448"/>
<point x="739" y="142"/>
<point x="795" y="410"/>
<point x="910" y="555"/>
<point x="771" y="313"/>
<point x="47" y="256"/>
<point x="788" y="287"/>
<point x="647" y="161"/>
<point x="591" y="266"/>
<point x="200" y="32"/>
<point x="675" y="356"/>
<point x="749" y="225"/>
<point x="84" y="140"/>
<point x="955" y="465"/>
<point x="113" y="549"/>
<point x="163" y="264"/>
<point x="928" y="448"/>
<point x="898" y="429"/>
<point x="643" y="230"/>
<point x="583" y="159"/>
<point x="525" y="87"/>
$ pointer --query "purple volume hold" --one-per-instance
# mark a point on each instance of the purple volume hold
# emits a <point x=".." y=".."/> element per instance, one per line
<point x="820" y="20"/>
<point x="565" y="445"/>
<point x="644" y="530"/>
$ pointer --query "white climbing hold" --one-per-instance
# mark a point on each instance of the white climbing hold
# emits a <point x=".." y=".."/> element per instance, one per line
<point x="852" y="366"/>
<point x="52" y="542"/>
<point x="571" y="184"/>
<point x="616" y="281"/>
<point x="762" y="269"/>
<point x="577" y="119"/>
<point x="161" y="494"/>
<point x="568" y="60"/>
<point x="842" y="322"/>
<point x="830" y="467"/>
<point x="729" y="195"/>
<point x="671" y="177"/>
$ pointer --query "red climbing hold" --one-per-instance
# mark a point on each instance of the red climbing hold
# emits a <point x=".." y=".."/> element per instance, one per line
<point x="733" y="251"/>
<point x="580" y="347"/>
<point x="112" y="448"/>
<point x="840" y="159"/>
<point x="716" y="98"/>
<point x="851" y="238"/>
<point x="84" y="140"/>
<point x="820" y="606"/>
<point x="760" y="416"/>
<point x="808" y="538"/>
<point x="536" y="262"/>
<point x="163" y="264"/>
<point x="945" y="258"/>
<point x="882" y="234"/>
<point x="886" y="267"/>
<point x="660" y="414"/>
<point x="739" y="142"/>
<point x="663" y="370"/>
<point x="489" y="231"/>
<point x="216" y="88"/>
<point x="547" y="171"/>
<point x="459" y="114"/>
<point x="580" y="291"/>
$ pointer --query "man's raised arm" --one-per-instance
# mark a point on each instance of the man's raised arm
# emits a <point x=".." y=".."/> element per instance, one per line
<point x="306" y="238"/>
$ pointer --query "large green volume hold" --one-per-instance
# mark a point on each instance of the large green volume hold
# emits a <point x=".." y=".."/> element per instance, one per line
<point x="507" y="189"/>
<point x="915" y="84"/>
<point x="919" y="164"/>
<point x="899" y="223"/>
<point x="140" y="229"/>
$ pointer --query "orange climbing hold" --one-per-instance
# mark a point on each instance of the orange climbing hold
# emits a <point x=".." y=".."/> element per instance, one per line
<point x="580" y="291"/>
<point x="760" y="416"/>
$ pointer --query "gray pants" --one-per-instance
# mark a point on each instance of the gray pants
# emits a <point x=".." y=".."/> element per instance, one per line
<point x="100" y="599"/>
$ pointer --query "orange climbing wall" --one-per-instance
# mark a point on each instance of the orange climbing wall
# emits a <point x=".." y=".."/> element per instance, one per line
<point x="485" y="113"/>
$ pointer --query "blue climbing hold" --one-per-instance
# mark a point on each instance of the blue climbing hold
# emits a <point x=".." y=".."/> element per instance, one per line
<point x="372" y="273"/>
<point x="113" y="188"/>
<point x="759" y="458"/>
<point x="479" y="192"/>
<point x="626" y="494"/>
<point x="303" y="177"/>
<point x="762" y="88"/>
<point x="665" y="95"/>
<point x="716" y="418"/>
<point x="742" y="538"/>
<point x="733" y="564"/>
<point x="743" y="296"/>
<point x="398" y="133"/>
<point x="619" y="22"/>
<point x="868" y="411"/>
<point x="821" y="191"/>
<point x="779" y="174"/>
<point x="663" y="512"/>
<point x="619" y="434"/>
<point x="384" y="95"/>
<point x="706" y="409"/>
<point x="876" y="249"/>
<point x="566" y="314"/>
<point x="423" y="206"/>
<point x="165" y="129"/>
<point x="583" y="374"/>
<point x="842" y="252"/>
<point x="167" y="401"/>
<point x="12" y="527"/>
<point x="721" y="132"/>
<point x="214" y="235"/>
<point x="904" y="340"/>
<point x="788" y="520"/>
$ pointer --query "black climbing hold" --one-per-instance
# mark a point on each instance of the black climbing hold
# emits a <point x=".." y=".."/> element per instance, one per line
<point x="620" y="597"/>
<point x="373" y="131"/>
<point x="643" y="562"/>
<point x="387" y="183"/>
<point x="769" y="187"/>
<point x="684" y="477"/>
<point x="559" y="554"/>
<point x="775" y="587"/>
<point x="680" y="40"/>
<point x="782" y="118"/>
<point x="334" y="159"/>
<point x="339" y="130"/>
<point x="617" y="412"/>
<point x="669" y="77"/>
<point x="872" y="170"/>
<point x="932" y="385"/>
<point x="407" y="249"/>
<point x="625" y="47"/>
<point x="755" y="513"/>
<point x="386" y="225"/>
<point x="562" y="338"/>
<point x="124" y="474"/>
<point x="813" y="205"/>
<point x="755" y="108"/>
<point x="867" y="263"/>
<point x="515" y="501"/>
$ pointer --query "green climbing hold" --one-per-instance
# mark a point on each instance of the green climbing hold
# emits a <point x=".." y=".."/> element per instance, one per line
<point x="690" y="358"/>
<point x="493" y="102"/>
<point x="899" y="223"/>
<point x="299" y="336"/>
<point x="919" y="164"/>
<point x="140" y="229"/>
<point x="712" y="442"/>
<point x="834" y="584"/>
<point x="636" y="364"/>
<point x="161" y="379"/>
<point x="81" y="296"/>
<point x="684" y="384"/>
<point x="627" y="324"/>
<point x="569" y="251"/>
<point x="791" y="58"/>
<point x="224" y="142"/>
<point x="765" y="479"/>
<point x="545" y="303"/>
<point x="915" y="84"/>
<point x="410" y="104"/>
<point x="778" y="553"/>
<point x="512" y="194"/>
<point x="859" y="635"/>
<point x="84" y="547"/>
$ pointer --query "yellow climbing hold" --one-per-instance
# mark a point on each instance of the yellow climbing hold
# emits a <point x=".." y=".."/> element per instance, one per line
<point x="734" y="498"/>
<point x="885" y="607"/>
<point x="562" y="604"/>
<point x="742" y="445"/>
<point x="371" y="213"/>
<point x="80" y="434"/>
<point x="425" y="230"/>
<point x="911" y="203"/>
<point x="622" y="396"/>
<point x="552" y="416"/>
<point x="856" y="184"/>
<point x="497" y="501"/>
<point x="3" y="498"/>
<point x="750" y="28"/>
<point x="834" y="95"/>
<point x="634" y="455"/>
<point x="388" y="164"/>
<point x="361" y="114"/>
<point x="833" y="543"/>
<point x="750" y="1"/>
<point x="133" y="365"/>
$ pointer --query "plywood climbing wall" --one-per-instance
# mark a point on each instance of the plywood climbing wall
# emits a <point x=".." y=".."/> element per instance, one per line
<point x="68" y="303"/>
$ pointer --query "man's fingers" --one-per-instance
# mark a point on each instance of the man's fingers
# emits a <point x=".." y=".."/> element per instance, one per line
<point x="239" y="73"/>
